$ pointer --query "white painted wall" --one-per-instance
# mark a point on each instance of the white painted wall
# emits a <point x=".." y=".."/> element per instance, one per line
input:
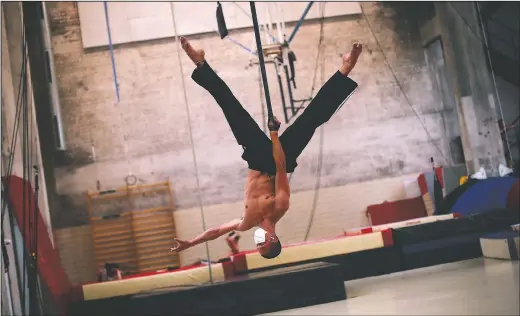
<point x="140" y="21"/>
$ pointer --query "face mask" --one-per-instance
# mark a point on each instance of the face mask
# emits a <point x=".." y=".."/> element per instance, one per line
<point x="259" y="236"/>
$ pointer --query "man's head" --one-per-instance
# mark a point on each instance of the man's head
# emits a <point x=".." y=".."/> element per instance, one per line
<point x="232" y="241"/>
<point x="111" y="267"/>
<point x="268" y="244"/>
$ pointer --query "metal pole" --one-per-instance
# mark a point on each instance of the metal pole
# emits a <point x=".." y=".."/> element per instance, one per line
<point x="289" y="89"/>
<point x="282" y="94"/>
<point x="7" y="284"/>
<point x="261" y="60"/>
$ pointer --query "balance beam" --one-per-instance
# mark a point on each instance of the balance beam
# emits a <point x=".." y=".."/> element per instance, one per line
<point x="251" y="294"/>
<point x="503" y="245"/>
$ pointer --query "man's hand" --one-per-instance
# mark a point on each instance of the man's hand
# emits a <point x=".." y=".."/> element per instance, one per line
<point x="211" y="234"/>
<point x="181" y="245"/>
<point x="273" y="124"/>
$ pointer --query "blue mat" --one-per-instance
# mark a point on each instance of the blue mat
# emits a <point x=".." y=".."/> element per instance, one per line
<point x="484" y="195"/>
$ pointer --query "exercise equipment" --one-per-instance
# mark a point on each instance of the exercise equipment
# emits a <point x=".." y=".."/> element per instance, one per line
<point x="261" y="61"/>
<point x="503" y="245"/>
<point x="256" y="293"/>
<point x="278" y="53"/>
<point x="449" y="240"/>
<point x="359" y="256"/>
<point x="137" y="238"/>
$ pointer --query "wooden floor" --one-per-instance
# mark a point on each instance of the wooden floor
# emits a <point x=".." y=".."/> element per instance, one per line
<point x="474" y="287"/>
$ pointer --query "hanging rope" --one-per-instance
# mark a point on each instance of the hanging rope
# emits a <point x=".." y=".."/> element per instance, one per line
<point x="316" y="63"/>
<point x="18" y="115"/>
<point x="262" y="103"/>
<point x="199" y="196"/>
<point x="19" y="107"/>
<point x="25" y="218"/>
<point x="130" y="179"/>
<point x="398" y="83"/>
<point x="322" y="131"/>
<point x="261" y="61"/>
<point x="488" y="54"/>
<point x="111" y="50"/>
<point x="268" y="33"/>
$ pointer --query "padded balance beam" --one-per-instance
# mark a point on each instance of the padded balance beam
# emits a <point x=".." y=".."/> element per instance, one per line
<point x="503" y="245"/>
<point x="450" y="240"/>
<point x="360" y="256"/>
<point x="364" y="255"/>
<point x="189" y="277"/>
<point x="251" y="294"/>
<point x="407" y="223"/>
<point x="315" y="250"/>
<point x="488" y="222"/>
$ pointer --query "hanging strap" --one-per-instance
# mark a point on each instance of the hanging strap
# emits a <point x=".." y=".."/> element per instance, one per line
<point x="261" y="61"/>
<point x="292" y="58"/>
<point x="5" y="255"/>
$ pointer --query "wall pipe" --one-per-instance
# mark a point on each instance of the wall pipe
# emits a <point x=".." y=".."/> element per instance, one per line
<point x="55" y="97"/>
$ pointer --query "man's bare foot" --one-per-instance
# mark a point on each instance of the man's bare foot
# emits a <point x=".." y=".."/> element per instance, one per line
<point x="350" y="59"/>
<point x="196" y="55"/>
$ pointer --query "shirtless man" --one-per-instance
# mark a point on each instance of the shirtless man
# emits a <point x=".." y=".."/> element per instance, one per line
<point x="267" y="190"/>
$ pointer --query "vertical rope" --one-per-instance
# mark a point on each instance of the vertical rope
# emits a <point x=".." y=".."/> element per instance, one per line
<point x="264" y="27"/>
<point x="401" y="88"/>
<point x="488" y="54"/>
<point x="191" y="136"/>
<point x="262" y="104"/>
<point x="111" y="50"/>
<point x="322" y="128"/>
<point x="261" y="60"/>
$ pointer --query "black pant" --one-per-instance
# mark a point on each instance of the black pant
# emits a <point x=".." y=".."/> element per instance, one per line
<point x="258" y="151"/>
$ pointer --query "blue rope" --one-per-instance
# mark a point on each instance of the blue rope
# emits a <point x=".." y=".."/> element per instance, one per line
<point x="239" y="44"/>
<point x="297" y="27"/>
<point x="111" y="51"/>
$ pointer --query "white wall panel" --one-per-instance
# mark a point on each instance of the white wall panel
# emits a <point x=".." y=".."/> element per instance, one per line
<point x="140" y="21"/>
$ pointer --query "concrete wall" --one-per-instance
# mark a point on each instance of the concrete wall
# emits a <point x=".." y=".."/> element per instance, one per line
<point x="338" y="208"/>
<point x="134" y="21"/>
<point x="510" y="98"/>
<point x="375" y="135"/>
<point x="503" y="30"/>
<point x="472" y="82"/>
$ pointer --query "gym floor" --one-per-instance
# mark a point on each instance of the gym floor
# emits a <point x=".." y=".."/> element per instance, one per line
<point x="473" y="287"/>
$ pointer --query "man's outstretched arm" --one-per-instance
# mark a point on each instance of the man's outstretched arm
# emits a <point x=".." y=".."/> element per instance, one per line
<point x="211" y="234"/>
<point x="281" y="182"/>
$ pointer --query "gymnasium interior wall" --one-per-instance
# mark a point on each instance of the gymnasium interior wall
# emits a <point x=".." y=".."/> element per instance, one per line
<point x="375" y="135"/>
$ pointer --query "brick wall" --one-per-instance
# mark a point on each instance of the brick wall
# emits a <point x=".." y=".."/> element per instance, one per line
<point x="338" y="209"/>
<point x="76" y="253"/>
<point x="375" y="135"/>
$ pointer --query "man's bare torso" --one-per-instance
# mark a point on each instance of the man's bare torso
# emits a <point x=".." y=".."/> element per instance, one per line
<point x="259" y="198"/>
